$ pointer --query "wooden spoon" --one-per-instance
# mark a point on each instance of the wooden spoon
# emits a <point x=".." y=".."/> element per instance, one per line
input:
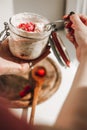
<point x="38" y="74"/>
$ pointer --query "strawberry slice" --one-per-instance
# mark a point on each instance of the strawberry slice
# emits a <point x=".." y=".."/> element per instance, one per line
<point x="30" y="27"/>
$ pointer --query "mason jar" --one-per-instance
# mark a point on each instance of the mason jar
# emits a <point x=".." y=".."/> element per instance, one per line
<point x="27" y="45"/>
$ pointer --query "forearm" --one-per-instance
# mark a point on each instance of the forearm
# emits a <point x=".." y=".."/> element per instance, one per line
<point x="80" y="79"/>
<point x="73" y="113"/>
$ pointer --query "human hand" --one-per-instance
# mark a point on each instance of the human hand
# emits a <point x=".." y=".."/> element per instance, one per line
<point x="10" y="64"/>
<point x="79" y="25"/>
<point x="13" y="65"/>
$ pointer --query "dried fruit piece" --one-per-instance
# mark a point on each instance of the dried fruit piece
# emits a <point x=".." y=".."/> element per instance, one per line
<point x="41" y="72"/>
<point x="25" y="91"/>
<point x="30" y="27"/>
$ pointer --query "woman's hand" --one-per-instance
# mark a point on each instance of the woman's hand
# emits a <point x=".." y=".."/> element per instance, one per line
<point x="79" y="25"/>
<point x="13" y="65"/>
<point x="10" y="64"/>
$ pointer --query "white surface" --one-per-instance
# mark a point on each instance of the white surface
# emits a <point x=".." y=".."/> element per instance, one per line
<point x="47" y="112"/>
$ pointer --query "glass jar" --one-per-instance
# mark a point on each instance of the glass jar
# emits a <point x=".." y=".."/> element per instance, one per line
<point x="30" y="45"/>
<point x="27" y="45"/>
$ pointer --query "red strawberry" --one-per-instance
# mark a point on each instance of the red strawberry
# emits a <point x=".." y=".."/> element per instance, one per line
<point x="41" y="72"/>
<point x="22" y="94"/>
<point x="30" y="27"/>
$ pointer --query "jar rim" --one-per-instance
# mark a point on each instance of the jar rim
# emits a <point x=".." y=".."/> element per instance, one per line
<point x="27" y="34"/>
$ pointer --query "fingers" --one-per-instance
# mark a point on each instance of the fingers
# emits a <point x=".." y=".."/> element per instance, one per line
<point x="76" y="22"/>
<point x="78" y="37"/>
<point x="19" y="69"/>
<point x="9" y="67"/>
<point x="83" y="19"/>
<point x="24" y="68"/>
<point x="77" y="19"/>
<point x="72" y="39"/>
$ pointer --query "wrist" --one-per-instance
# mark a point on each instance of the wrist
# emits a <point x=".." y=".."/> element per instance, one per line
<point x="83" y="58"/>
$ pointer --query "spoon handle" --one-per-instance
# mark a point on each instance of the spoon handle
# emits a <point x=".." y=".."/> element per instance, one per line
<point x="35" y="100"/>
<point x="49" y="25"/>
<point x="58" y="21"/>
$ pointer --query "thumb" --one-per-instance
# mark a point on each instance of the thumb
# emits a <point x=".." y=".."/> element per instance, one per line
<point x="76" y="22"/>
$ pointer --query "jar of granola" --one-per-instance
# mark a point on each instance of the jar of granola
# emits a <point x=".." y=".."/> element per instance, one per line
<point x="27" y="36"/>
